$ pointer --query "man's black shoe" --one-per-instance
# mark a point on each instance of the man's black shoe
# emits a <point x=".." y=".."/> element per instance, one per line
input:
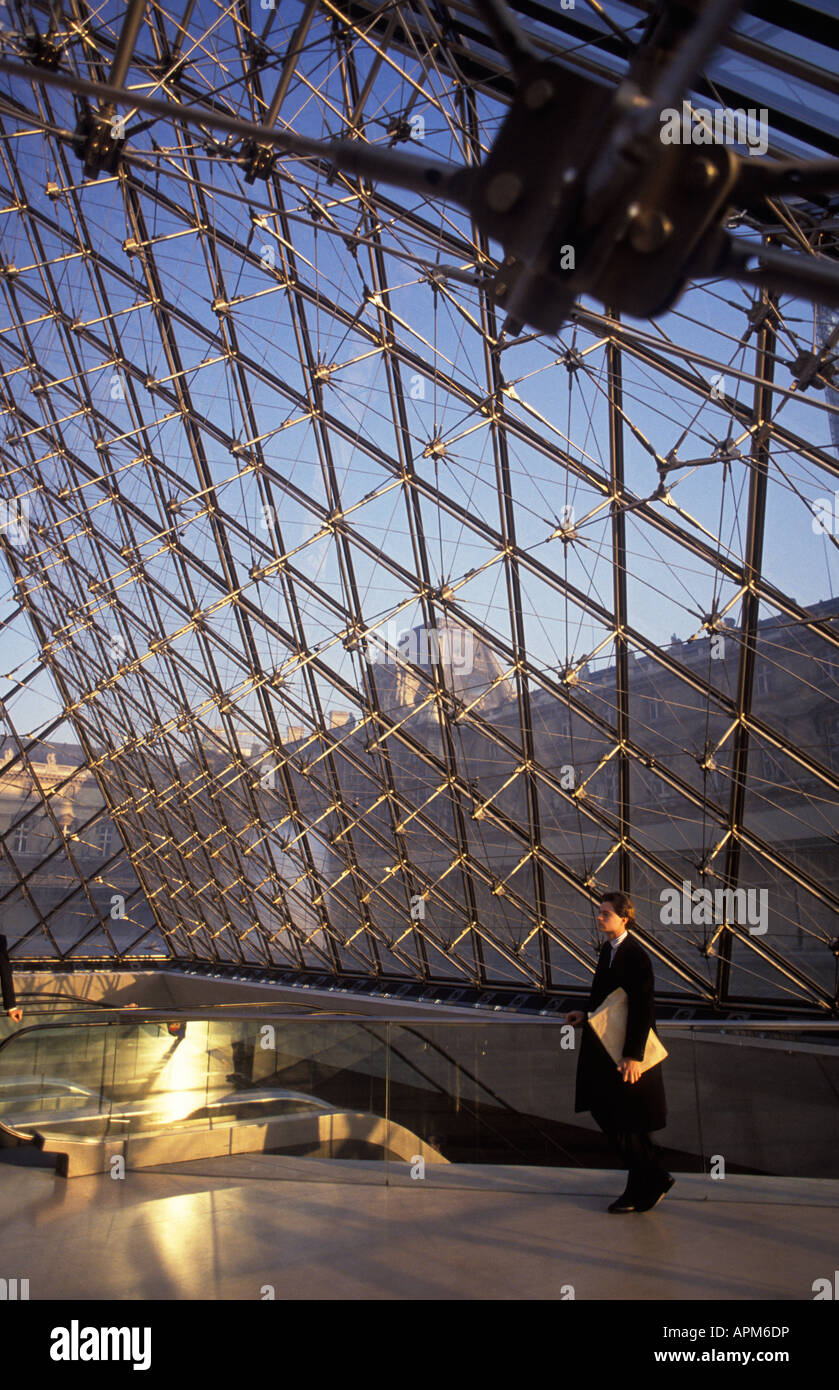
<point x="654" y="1201"/>
<point x="622" y="1204"/>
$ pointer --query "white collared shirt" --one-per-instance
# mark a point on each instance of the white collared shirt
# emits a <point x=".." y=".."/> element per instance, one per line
<point x="615" y="943"/>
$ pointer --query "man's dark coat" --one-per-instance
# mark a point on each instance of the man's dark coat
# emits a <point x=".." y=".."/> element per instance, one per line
<point x="6" y="979"/>
<point x="639" y="1106"/>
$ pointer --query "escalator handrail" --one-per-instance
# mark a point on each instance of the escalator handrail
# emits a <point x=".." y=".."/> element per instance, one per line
<point x="244" y="1011"/>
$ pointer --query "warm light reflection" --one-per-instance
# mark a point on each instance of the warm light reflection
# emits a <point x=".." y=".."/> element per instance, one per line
<point x="181" y="1223"/>
<point x="181" y="1086"/>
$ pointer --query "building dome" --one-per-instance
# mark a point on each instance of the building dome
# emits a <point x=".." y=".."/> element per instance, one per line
<point x="471" y="669"/>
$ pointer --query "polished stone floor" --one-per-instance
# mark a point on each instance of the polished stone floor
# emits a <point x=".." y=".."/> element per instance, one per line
<point x="260" y="1226"/>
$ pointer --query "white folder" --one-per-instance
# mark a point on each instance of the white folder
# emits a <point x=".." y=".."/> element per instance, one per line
<point x="609" y="1021"/>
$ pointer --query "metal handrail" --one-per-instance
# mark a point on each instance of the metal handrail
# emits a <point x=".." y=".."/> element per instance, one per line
<point x="134" y="1014"/>
<point x="35" y="996"/>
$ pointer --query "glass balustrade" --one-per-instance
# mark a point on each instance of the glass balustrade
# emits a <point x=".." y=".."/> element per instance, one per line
<point x="377" y="1095"/>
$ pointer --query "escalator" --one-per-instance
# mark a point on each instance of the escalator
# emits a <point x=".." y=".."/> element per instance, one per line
<point x="91" y="1084"/>
<point x="152" y="1086"/>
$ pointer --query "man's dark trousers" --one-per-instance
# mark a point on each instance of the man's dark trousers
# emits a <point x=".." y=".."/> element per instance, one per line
<point x="647" y="1175"/>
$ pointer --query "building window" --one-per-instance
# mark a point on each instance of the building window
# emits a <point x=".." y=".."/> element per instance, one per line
<point x="654" y="709"/>
<point x="658" y="792"/>
<point x="103" y="838"/>
<point x="21" y="838"/>
<point x="33" y="837"/>
<point x="763" y="681"/>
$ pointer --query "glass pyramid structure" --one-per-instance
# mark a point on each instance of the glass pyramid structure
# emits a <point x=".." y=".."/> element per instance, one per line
<point x="348" y="633"/>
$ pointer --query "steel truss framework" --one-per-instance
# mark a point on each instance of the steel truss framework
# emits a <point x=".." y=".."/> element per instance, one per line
<point x="262" y="420"/>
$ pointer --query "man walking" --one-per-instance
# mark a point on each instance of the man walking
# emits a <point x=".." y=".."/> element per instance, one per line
<point x="626" y="1103"/>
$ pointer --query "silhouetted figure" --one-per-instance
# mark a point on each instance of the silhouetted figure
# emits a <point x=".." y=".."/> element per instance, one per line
<point x="7" y="980"/>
